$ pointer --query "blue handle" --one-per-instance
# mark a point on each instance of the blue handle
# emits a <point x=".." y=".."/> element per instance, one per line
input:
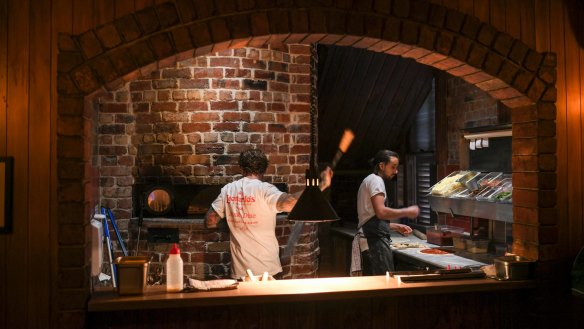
<point x="119" y="236"/>
<point x="110" y="248"/>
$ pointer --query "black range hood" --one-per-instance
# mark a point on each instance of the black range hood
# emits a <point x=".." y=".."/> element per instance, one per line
<point x="312" y="206"/>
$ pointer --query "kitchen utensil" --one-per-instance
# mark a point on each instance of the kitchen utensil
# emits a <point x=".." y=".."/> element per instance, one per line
<point x="344" y="144"/>
<point x="438" y="276"/>
<point x="442" y="234"/>
<point x="419" y="234"/>
<point x="110" y="248"/>
<point x="513" y="267"/>
<point x="118" y="235"/>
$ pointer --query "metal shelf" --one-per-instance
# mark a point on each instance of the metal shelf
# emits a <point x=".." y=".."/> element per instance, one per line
<point x="467" y="207"/>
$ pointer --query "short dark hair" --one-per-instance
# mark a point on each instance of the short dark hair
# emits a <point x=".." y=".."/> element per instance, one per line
<point x="253" y="161"/>
<point x="382" y="156"/>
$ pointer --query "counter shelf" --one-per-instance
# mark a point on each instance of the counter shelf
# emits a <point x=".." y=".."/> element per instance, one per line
<point x="296" y="290"/>
<point x="501" y="211"/>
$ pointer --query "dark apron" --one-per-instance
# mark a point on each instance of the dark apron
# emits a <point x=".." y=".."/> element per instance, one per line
<point x="379" y="258"/>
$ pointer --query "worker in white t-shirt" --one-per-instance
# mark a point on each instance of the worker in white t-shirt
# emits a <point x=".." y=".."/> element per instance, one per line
<point x="250" y="207"/>
<point x="376" y="219"/>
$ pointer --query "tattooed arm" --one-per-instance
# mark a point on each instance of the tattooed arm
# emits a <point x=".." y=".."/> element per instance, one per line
<point x="212" y="218"/>
<point x="287" y="201"/>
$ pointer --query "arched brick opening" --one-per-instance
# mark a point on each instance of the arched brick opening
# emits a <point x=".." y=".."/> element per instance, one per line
<point x="521" y="78"/>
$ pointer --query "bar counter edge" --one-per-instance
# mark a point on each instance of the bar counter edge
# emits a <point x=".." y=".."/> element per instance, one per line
<point x="298" y="290"/>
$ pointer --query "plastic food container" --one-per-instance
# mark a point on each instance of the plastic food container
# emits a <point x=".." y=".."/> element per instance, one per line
<point x="490" y="179"/>
<point x="459" y="240"/>
<point x="449" y="185"/>
<point x="488" y="193"/>
<point x="513" y="267"/>
<point x="470" y="180"/>
<point x="442" y="235"/>
<point x="477" y="246"/>
<point x="131" y="273"/>
<point x="505" y="191"/>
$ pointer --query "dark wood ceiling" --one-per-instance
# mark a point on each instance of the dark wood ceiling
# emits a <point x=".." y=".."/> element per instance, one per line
<point x="376" y="95"/>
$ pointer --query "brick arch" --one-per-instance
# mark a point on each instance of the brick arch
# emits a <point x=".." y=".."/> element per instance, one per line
<point x="506" y="68"/>
<point x="431" y="34"/>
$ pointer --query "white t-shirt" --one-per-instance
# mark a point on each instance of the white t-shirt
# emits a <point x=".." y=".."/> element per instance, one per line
<point x="250" y="208"/>
<point x="371" y="185"/>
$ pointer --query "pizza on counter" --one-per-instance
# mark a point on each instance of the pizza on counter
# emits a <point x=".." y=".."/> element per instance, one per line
<point x="436" y="251"/>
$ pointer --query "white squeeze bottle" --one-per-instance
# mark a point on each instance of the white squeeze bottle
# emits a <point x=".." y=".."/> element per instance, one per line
<point x="174" y="270"/>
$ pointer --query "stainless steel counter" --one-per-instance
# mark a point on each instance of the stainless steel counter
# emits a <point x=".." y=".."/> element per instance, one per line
<point x="441" y="261"/>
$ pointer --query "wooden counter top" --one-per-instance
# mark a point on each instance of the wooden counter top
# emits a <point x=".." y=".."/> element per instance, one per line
<point x="295" y="290"/>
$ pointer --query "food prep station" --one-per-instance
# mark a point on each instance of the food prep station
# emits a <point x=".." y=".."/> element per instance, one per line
<point x="412" y="258"/>
<point x="474" y="194"/>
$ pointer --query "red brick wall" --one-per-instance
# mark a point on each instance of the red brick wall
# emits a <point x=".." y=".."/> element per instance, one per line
<point x="466" y="107"/>
<point x="186" y="123"/>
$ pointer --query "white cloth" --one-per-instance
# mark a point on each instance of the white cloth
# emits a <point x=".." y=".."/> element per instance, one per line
<point x="358" y="246"/>
<point x="250" y="208"/>
<point x="371" y="185"/>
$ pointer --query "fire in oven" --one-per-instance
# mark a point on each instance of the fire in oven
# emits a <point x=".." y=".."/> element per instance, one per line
<point x="176" y="200"/>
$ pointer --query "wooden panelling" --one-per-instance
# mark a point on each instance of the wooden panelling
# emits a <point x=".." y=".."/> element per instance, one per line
<point x="3" y="141"/>
<point x="62" y="22"/>
<point x="124" y="7"/>
<point x="527" y="23"/>
<point x="82" y="15"/>
<point x="542" y="25"/>
<point x="39" y="174"/>
<point x="444" y="310"/>
<point x="17" y="97"/>
<point x="28" y="50"/>
<point x="574" y="131"/>
<point x="481" y="10"/>
<point x="513" y="26"/>
<point x="498" y="18"/>
<point x="104" y="11"/>
<point x="578" y="225"/>
<point x="141" y="4"/>
<point x="466" y="7"/>
<point x="557" y="42"/>
<point x="3" y="68"/>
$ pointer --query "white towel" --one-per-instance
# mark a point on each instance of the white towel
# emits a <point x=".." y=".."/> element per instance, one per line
<point x="358" y="246"/>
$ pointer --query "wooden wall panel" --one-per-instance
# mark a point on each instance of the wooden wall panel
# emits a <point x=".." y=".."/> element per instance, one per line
<point x="39" y="158"/>
<point x="3" y="142"/>
<point x="104" y="12"/>
<point x="574" y="118"/>
<point x="123" y="7"/>
<point x="574" y="134"/>
<point x="466" y="7"/>
<point x="481" y="10"/>
<point x="527" y="23"/>
<point x="557" y="42"/>
<point x="82" y="15"/>
<point x="3" y="68"/>
<point x="141" y="4"/>
<point x="27" y="125"/>
<point x="17" y="96"/>
<point x="579" y="225"/>
<point x="513" y="21"/>
<point x="542" y="25"/>
<point x="497" y="16"/>
<point x="62" y="22"/>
